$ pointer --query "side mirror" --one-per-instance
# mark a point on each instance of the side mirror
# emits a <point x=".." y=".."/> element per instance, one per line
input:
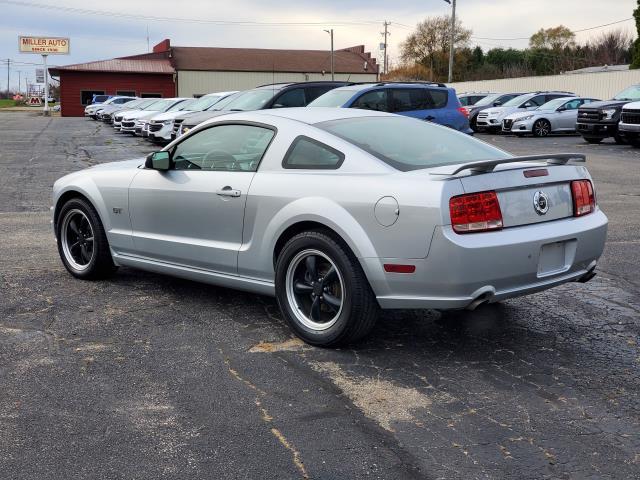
<point x="561" y="109"/>
<point x="527" y="105"/>
<point x="278" y="105"/>
<point x="158" y="161"/>
<point x="497" y="103"/>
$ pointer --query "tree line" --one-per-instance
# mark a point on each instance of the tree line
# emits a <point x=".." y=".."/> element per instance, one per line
<point x="424" y="55"/>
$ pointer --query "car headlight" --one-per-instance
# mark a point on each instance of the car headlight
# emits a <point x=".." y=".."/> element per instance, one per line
<point x="609" y="113"/>
<point x="522" y="119"/>
<point x="185" y="130"/>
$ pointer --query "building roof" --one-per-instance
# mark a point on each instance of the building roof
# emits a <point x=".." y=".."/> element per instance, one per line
<point x="603" y="68"/>
<point x="120" y="65"/>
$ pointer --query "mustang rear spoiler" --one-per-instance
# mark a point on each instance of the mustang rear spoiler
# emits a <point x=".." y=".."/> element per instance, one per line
<point x="485" y="166"/>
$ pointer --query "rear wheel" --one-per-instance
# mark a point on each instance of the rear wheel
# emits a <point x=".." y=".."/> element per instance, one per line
<point x="541" y="128"/>
<point x="82" y="242"/>
<point x="593" y="140"/>
<point x="323" y="292"/>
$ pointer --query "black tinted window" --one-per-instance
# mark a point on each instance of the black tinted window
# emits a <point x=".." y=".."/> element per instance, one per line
<point x="314" y="92"/>
<point x="374" y="100"/>
<point x="408" y="99"/>
<point x="311" y="154"/>
<point x="291" y="98"/>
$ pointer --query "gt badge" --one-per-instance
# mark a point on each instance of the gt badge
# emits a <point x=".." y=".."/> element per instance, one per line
<point x="540" y="202"/>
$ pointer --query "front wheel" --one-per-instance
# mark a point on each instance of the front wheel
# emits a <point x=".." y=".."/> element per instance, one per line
<point x="541" y="128"/>
<point x="323" y="292"/>
<point x="619" y="139"/>
<point x="82" y="242"/>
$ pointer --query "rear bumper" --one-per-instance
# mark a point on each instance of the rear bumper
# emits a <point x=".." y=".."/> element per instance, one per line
<point x="459" y="269"/>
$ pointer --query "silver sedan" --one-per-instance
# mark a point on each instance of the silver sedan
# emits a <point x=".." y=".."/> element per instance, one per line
<point x="556" y="116"/>
<point x="338" y="213"/>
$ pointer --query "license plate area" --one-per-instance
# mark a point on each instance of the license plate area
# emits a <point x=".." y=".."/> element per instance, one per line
<point x="556" y="257"/>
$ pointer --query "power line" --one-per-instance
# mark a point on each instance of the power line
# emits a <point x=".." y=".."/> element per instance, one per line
<point x="244" y="23"/>
<point x="573" y="31"/>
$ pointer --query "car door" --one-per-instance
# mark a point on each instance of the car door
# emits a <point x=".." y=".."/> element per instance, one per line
<point x="373" y="100"/>
<point x="193" y="213"/>
<point x="566" y="116"/>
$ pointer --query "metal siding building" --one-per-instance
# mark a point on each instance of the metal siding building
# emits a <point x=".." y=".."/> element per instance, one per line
<point x="192" y="71"/>
<point x="192" y="82"/>
<point x="602" y="85"/>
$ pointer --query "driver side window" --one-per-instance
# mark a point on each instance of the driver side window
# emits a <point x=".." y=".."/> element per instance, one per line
<point x="223" y="148"/>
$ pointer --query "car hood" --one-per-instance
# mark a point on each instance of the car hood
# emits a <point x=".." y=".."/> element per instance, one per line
<point x="168" y="115"/>
<point x="200" y="117"/>
<point x="121" y="165"/>
<point x="605" y="104"/>
<point x="139" y="114"/>
<point x="501" y="110"/>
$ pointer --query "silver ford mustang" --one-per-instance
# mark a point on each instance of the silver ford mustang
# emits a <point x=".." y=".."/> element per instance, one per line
<point x="338" y="213"/>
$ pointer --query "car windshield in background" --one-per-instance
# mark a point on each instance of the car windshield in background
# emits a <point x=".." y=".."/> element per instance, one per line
<point x="222" y="104"/>
<point x="251" y="100"/>
<point x="161" y="105"/>
<point x="203" y="103"/>
<point x="148" y="104"/>
<point x="631" y="93"/>
<point x="410" y="144"/>
<point x="333" y="98"/>
<point x="488" y="100"/>
<point x="553" y="104"/>
<point x="185" y="105"/>
<point x="515" y="102"/>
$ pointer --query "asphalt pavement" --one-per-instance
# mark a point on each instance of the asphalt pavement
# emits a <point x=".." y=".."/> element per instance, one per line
<point x="145" y="376"/>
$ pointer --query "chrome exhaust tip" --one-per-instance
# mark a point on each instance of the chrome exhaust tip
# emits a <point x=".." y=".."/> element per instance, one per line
<point x="484" y="298"/>
<point x="588" y="276"/>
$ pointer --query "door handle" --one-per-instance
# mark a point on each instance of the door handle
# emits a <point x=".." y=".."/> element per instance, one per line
<point x="228" y="192"/>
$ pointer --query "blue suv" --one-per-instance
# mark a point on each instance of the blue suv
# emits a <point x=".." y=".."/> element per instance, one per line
<point x="433" y="102"/>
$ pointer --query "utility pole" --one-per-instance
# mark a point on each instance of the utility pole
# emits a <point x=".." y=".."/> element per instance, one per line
<point x="46" y="87"/>
<point x="385" y="61"/>
<point x="8" y="74"/>
<point x="330" y="32"/>
<point x="148" y="48"/>
<point x="19" y="81"/>
<point x="453" y="36"/>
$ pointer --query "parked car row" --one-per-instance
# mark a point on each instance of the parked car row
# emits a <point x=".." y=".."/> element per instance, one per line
<point x="163" y="120"/>
<point x="543" y="113"/>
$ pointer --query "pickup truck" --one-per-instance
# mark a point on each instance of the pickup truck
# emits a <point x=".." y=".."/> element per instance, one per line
<point x="599" y="120"/>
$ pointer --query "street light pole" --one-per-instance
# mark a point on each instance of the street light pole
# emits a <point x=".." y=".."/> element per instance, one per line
<point x="330" y="32"/>
<point x="453" y="36"/>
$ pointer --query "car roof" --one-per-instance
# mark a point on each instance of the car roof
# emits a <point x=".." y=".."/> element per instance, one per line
<point x="317" y="114"/>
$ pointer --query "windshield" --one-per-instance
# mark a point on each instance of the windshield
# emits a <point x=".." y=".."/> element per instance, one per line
<point x="184" y="105"/>
<point x="161" y="105"/>
<point x="515" y="102"/>
<point x="333" y="98"/>
<point x="488" y="100"/>
<point x="411" y="144"/>
<point x="631" y="93"/>
<point x="222" y="104"/>
<point x="553" y="104"/>
<point x="203" y="103"/>
<point x="251" y="100"/>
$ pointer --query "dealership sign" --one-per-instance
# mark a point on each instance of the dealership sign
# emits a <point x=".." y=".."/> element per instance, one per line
<point x="44" y="45"/>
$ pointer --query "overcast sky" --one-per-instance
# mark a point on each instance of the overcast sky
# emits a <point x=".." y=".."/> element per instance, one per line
<point x="95" y="37"/>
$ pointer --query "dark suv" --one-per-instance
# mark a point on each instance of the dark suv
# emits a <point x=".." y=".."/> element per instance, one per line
<point x="277" y="95"/>
<point x="600" y="120"/>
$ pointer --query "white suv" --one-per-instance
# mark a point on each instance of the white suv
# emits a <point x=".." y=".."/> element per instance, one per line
<point x="491" y="119"/>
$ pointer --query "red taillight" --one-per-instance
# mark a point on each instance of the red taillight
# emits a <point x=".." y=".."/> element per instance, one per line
<point x="398" y="268"/>
<point x="475" y="212"/>
<point x="584" y="200"/>
<point x="464" y="111"/>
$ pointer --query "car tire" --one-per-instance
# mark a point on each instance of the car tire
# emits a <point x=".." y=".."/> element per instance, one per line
<point x="620" y="140"/>
<point x="322" y="290"/>
<point x="541" y="128"/>
<point x="473" y="125"/>
<point x="593" y="140"/>
<point x="82" y="242"/>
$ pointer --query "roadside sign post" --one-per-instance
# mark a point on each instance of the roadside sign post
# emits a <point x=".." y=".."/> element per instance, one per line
<point x="44" y="46"/>
<point x="46" y="86"/>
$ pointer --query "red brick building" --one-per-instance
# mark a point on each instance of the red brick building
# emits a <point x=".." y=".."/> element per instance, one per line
<point x="191" y="71"/>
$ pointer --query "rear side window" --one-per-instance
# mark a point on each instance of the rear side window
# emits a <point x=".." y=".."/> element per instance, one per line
<point x="291" y="98"/>
<point x="307" y="153"/>
<point x="373" y="100"/>
<point x="408" y="99"/>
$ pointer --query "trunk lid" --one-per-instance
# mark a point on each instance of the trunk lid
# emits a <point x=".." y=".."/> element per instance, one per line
<point x="526" y="199"/>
